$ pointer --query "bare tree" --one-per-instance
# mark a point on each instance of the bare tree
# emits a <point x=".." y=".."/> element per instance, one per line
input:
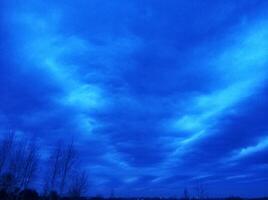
<point x="200" y="191"/>
<point x="23" y="162"/>
<point x="79" y="184"/>
<point x="5" y="150"/>
<point x="54" y="168"/>
<point x="30" y="165"/>
<point x="186" y="194"/>
<point x="112" y="194"/>
<point x="61" y="163"/>
<point x="19" y="164"/>
<point x="17" y="158"/>
<point x="67" y="162"/>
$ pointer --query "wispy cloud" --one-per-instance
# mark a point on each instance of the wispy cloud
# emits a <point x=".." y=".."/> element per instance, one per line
<point x="244" y="152"/>
<point x="241" y="71"/>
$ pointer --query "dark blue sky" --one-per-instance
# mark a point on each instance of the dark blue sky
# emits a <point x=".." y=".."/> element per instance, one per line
<point x="160" y="95"/>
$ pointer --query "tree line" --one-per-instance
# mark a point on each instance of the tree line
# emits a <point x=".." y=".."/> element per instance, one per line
<point x="26" y="168"/>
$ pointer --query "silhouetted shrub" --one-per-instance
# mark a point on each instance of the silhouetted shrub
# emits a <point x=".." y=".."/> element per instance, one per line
<point x="7" y="182"/>
<point x="28" y="194"/>
<point x="3" y="194"/>
<point x="233" y="198"/>
<point x="98" y="197"/>
<point x="53" y="195"/>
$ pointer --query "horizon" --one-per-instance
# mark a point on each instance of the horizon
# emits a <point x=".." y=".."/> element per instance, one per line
<point x="157" y="96"/>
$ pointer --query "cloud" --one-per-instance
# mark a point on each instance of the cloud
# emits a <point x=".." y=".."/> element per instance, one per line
<point x="241" y="73"/>
<point x="159" y="95"/>
<point x="250" y="150"/>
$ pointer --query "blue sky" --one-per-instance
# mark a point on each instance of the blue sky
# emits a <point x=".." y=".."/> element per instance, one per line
<point x="160" y="95"/>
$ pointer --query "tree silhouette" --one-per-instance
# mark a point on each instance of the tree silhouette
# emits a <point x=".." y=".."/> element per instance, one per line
<point x="186" y="194"/>
<point x="28" y="194"/>
<point x="5" y="150"/>
<point x="54" y="168"/>
<point x="200" y="191"/>
<point x="79" y="184"/>
<point x="29" y="165"/>
<point x="7" y="182"/>
<point x="67" y="162"/>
